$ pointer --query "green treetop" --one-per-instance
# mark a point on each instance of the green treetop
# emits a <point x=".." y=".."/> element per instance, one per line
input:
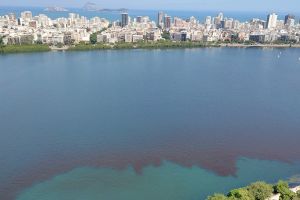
<point x="260" y="190"/>
<point x="282" y="188"/>
<point x="241" y="193"/>
<point x="1" y="41"/>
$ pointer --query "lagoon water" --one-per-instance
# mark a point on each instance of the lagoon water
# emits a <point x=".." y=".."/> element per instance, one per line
<point x="147" y="124"/>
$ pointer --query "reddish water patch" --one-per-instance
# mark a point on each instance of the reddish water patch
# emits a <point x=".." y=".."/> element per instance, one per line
<point x="187" y="152"/>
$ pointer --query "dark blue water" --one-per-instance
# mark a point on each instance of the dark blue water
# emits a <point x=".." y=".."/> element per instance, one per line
<point x="195" y="112"/>
<point x="200" y="15"/>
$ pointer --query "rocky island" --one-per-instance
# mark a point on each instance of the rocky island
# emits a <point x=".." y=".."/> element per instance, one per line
<point x="92" y="7"/>
<point x="55" y="9"/>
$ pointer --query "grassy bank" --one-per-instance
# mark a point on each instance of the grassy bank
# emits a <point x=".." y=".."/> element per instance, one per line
<point x="259" y="191"/>
<point x="163" y="44"/>
<point x="142" y="45"/>
<point x="170" y="44"/>
<point x="23" y="48"/>
<point x="88" y="47"/>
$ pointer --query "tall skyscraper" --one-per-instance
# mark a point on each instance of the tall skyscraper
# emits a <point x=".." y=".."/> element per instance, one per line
<point x="208" y="20"/>
<point x="289" y="20"/>
<point x="272" y="21"/>
<point x="12" y="16"/>
<point x="26" y="15"/>
<point x="168" y="21"/>
<point x="221" y="16"/>
<point x="160" y="19"/>
<point x="72" y="16"/>
<point x="125" y="19"/>
<point x="288" y="17"/>
<point x="139" y="19"/>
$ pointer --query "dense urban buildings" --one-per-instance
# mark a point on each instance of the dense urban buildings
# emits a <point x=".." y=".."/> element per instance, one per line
<point x="29" y="29"/>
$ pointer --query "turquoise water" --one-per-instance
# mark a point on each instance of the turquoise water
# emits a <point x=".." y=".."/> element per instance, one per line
<point x="171" y="109"/>
<point x="167" y="182"/>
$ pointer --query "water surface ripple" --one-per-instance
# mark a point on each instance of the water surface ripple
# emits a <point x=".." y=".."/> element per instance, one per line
<point x="196" y="107"/>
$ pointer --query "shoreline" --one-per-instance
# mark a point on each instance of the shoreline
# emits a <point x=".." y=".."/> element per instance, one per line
<point x="236" y="45"/>
<point x="35" y="48"/>
<point x="261" y="190"/>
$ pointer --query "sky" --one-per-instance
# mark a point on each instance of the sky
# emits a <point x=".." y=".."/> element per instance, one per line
<point x="232" y="5"/>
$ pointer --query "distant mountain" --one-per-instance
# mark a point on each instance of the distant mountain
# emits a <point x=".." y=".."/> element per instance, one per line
<point x="89" y="6"/>
<point x="55" y="9"/>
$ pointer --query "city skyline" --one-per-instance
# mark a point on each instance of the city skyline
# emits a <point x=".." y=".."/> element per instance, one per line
<point x="31" y="29"/>
<point x="224" y="5"/>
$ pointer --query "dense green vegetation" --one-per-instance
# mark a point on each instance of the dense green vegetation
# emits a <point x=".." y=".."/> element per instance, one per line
<point x="285" y="193"/>
<point x="171" y="44"/>
<point x="1" y="41"/>
<point x="258" y="191"/>
<point x="166" y="35"/>
<point x="162" y="44"/>
<point x="23" y="48"/>
<point x="251" y="42"/>
<point x="93" y="36"/>
<point x="241" y="193"/>
<point x="93" y="45"/>
<point x="84" y="47"/>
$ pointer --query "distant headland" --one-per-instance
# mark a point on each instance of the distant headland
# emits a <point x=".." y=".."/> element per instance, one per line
<point x="55" y="9"/>
<point x="92" y="7"/>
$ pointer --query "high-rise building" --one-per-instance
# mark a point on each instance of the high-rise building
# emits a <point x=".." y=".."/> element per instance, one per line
<point x="221" y="16"/>
<point x="168" y="21"/>
<point x="235" y="24"/>
<point x="139" y="19"/>
<point x="217" y="20"/>
<point x="125" y="19"/>
<point x="208" y="20"/>
<point x="72" y="16"/>
<point x="288" y="17"/>
<point x="228" y="23"/>
<point x="160" y="19"/>
<point x="12" y="16"/>
<point x="272" y="21"/>
<point x="193" y="20"/>
<point x="289" y="20"/>
<point x="26" y="15"/>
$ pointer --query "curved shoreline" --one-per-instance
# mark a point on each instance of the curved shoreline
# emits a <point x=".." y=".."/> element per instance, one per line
<point x="12" y="49"/>
<point x="261" y="45"/>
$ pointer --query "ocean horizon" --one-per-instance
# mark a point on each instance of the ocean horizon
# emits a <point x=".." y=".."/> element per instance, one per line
<point x="152" y="13"/>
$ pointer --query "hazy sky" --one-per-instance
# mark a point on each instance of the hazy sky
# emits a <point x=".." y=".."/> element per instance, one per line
<point x="234" y="5"/>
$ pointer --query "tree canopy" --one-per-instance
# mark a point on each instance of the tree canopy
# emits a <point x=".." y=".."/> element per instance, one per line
<point x="282" y="188"/>
<point x="166" y="35"/>
<point x="1" y="41"/>
<point x="241" y="193"/>
<point x="93" y="38"/>
<point x="260" y="190"/>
